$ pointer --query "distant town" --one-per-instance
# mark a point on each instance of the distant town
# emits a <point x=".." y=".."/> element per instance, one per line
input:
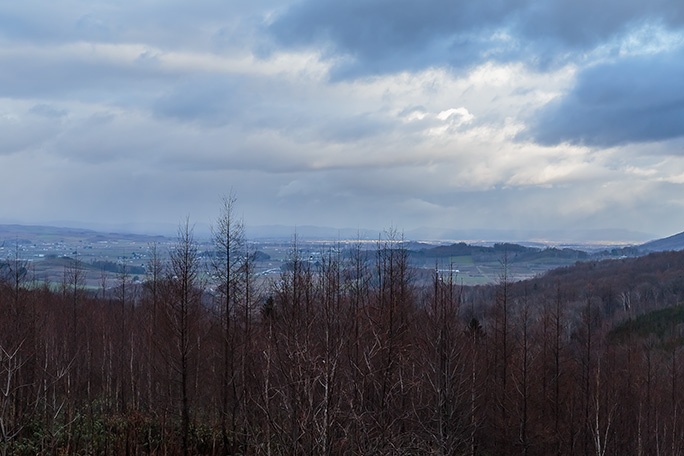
<point x="48" y="250"/>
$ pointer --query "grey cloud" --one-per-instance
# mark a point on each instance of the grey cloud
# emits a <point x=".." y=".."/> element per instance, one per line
<point x="373" y="28"/>
<point x="554" y="33"/>
<point x="157" y="138"/>
<point x="70" y="78"/>
<point x="173" y="23"/>
<point x="104" y="138"/>
<point x="636" y="100"/>
<point x="377" y="199"/>
<point x="354" y="128"/>
<point x="387" y="36"/>
<point x="583" y="23"/>
<point x="268" y="105"/>
<point x="16" y="23"/>
<point x="60" y="22"/>
<point x="48" y="111"/>
<point x="209" y="100"/>
<point x="29" y="132"/>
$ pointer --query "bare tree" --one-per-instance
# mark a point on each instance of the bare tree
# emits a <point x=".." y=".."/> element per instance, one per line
<point x="295" y="359"/>
<point x="10" y="386"/>
<point x="229" y="258"/>
<point x="183" y="308"/>
<point x="521" y="375"/>
<point x="331" y="338"/>
<point x="154" y="271"/>
<point x="502" y="351"/>
<point x="122" y="292"/>
<point x="445" y="368"/>
<point x="389" y="325"/>
<point x="74" y="285"/>
<point x="151" y="304"/>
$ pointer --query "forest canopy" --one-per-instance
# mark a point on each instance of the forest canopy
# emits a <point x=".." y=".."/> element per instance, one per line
<point x="349" y="354"/>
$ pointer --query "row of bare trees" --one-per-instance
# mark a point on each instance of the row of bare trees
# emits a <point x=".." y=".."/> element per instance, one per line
<point x="347" y="355"/>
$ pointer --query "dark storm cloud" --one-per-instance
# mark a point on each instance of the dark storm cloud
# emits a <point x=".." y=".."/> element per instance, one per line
<point x="640" y="99"/>
<point x="378" y="37"/>
<point x="384" y="36"/>
<point x="582" y="24"/>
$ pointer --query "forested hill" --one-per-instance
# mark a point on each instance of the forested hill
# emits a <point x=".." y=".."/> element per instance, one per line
<point x="656" y="268"/>
<point x="631" y="285"/>
<point x="620" y="288"/>
<point x="511" y="252"/>
<point x="521" y="253"/>
<point x="675" y="242"/>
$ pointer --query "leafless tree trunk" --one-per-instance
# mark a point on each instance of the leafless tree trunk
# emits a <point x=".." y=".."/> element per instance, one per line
<point x="446" y="371"/>
<point x="183" y="308"/>
<point x="229" y="257"/>
<point x="122" y="289"/>
<point x="502" y="353"/>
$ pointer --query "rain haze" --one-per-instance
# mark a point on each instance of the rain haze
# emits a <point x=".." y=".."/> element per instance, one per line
<point x="516" y="115"/>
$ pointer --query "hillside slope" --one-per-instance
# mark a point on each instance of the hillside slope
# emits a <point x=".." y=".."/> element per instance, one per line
<point x="674" y="242"/>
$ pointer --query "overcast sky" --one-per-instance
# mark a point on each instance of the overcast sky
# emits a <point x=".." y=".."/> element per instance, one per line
<point x="514" y="114"/>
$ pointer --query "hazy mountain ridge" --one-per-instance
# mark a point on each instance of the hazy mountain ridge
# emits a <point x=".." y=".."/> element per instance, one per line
<point x="674" y="242"/>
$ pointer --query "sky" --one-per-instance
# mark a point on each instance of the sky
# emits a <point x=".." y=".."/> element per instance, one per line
<point x="488" y="114"/>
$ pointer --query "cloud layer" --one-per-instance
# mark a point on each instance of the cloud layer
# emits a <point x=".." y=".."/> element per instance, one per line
<point x="492" y="114"/>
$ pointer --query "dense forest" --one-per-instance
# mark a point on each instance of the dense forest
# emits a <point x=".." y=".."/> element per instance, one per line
<point x="346" y="356"/>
